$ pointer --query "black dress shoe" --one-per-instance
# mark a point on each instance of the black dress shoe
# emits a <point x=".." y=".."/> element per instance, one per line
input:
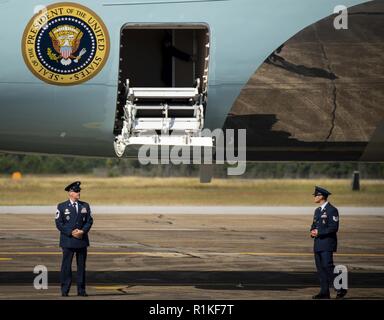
<point x="64" y="294"/>
<point x="321" y="296"/>
<point x="83" y="294"/>
<point x="341" y="293"/>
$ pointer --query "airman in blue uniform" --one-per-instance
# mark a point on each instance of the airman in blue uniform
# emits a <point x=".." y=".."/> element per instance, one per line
<point x="73" y="220"/>
<point x="324" y="229"/>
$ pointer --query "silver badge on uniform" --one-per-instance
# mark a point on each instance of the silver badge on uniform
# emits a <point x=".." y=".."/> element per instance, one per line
<point x="84" y="210"/>
<point x="324" y="216"/>
<point x="66" y="211"/>
<point x="67" y="217"/>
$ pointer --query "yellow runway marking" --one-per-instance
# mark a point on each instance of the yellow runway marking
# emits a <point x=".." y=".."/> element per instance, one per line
<point x="295" y="254"/>
<point x="152" y="254"/>
<point x="186" y="254"/>
<point x="108" y="229"/>
<point x="110" y="287"/>
<point x="6" y="259"/>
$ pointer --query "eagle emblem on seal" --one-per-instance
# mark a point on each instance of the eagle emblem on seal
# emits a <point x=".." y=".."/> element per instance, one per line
<point x="66" y="41"/>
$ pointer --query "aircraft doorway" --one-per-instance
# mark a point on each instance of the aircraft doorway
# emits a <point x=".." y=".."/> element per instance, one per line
<point x="163" y="82"/>
<point x="164" y="56"/>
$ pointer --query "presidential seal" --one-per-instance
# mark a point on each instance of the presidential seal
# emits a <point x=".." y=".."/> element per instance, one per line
<point x="65" y="44"/>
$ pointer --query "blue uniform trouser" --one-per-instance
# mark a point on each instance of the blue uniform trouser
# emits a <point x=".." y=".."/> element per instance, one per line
<point x="325" y="267"/>
<point x="66" y="269"/>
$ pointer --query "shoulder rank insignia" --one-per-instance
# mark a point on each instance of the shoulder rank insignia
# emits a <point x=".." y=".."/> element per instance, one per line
<point x="65" y="44"/>
<point x="335" y="218"/>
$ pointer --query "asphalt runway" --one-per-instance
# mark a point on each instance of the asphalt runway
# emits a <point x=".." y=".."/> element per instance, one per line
<point x="192" y="256"/>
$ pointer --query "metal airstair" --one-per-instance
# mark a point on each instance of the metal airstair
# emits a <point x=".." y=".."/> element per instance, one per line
<point x="162" y="116"/>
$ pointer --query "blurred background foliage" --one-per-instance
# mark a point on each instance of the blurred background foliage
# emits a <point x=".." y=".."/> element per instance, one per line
<point x="37" y="164"/>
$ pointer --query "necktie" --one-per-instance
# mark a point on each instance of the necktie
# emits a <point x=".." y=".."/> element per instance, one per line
<point x="75" y="206"/>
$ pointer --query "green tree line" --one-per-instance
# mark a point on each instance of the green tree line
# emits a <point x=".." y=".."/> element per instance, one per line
<point x="36" y="164"/>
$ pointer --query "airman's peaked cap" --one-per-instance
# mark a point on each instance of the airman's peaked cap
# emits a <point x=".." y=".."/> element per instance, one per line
<point x="74" y="186"/>
<point x="321" y="191"/>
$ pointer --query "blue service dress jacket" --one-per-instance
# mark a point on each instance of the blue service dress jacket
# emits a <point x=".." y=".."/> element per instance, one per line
<point x="67" y="220"/>
<point x="326" y="221"/>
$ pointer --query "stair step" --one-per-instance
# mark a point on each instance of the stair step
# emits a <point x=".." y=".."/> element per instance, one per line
<point x="163" y="108"/>
<point x="171" y="123"/>
<point x="169" y="93"/>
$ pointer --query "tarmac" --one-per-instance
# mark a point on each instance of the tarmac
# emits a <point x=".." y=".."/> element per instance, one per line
<point x="192" y="256"/>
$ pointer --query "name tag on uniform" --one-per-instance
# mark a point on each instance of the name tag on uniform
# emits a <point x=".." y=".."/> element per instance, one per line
<point x="83" y="210"/>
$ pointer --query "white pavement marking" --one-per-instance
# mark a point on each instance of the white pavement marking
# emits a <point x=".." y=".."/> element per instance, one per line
<point x="230" y="210"/>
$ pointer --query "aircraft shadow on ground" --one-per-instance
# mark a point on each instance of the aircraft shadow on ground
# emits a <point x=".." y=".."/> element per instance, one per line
<point x="208" y="280"/>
